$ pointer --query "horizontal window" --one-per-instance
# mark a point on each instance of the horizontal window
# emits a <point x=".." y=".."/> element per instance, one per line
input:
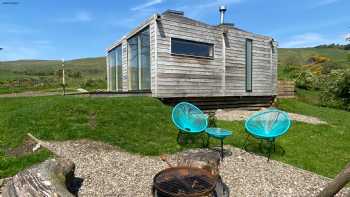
<point x="191" y="48"/>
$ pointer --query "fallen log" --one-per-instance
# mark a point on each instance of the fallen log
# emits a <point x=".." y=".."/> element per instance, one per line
<point x="49" y="178"/>
<point x="337" y="184"/>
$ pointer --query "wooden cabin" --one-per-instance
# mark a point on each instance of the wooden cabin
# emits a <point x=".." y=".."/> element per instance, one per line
<point x="175" y="58"/>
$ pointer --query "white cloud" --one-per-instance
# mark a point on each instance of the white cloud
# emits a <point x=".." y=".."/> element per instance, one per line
<point x="311" y="40"/>
<point x="304" y="40"/>
<point x="148" y="4"/>
<point x="14" y="50"/>
<point x="324" y="3"/>
<point x="78" y="17"/>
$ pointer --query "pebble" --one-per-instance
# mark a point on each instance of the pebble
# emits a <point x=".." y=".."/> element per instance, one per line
<point x="108" y="171"/>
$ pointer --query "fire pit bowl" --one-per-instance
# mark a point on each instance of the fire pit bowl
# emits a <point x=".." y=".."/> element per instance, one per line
<point x="184" y="181"/>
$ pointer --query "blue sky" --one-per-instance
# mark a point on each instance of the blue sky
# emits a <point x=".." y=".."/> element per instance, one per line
<point x="56" y="29"/>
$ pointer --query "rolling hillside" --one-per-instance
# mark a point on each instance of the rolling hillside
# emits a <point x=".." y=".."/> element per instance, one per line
<point x="22" y="75"/>
<point x="303" y="54"/>
<point x="90" y="73"/>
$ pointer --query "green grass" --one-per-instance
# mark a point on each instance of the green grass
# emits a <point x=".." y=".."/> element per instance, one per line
<point x="143" y="125"/>
<point x="323" y="149"/>
<point x="308" y="96"/>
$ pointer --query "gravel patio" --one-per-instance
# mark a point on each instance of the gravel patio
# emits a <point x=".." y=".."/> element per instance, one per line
<point x="108" y="171"/>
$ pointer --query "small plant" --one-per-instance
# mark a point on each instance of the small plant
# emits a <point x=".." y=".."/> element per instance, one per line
<point x="211" y="119"/>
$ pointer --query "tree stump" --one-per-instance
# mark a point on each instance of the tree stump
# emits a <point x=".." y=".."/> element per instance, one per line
<point x="49" y="178"/>
<point x="203" y="158"/>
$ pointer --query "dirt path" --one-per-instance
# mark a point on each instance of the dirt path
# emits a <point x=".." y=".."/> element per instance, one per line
<point x="29" y="94"/>
<point x="232" y="115"/>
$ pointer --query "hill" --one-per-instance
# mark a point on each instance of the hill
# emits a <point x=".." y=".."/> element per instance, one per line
<point x="23" y="75"/>
<point x="336" y="55"/>
<point x="90" y="73"/>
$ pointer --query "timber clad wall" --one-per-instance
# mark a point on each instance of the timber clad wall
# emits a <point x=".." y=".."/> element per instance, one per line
<point x="152" y="30"/>
<point x="187" y="76"/>
<point x="180" y="76"/>
<point x="125" y="65"/>
<point x="223" y="75"/>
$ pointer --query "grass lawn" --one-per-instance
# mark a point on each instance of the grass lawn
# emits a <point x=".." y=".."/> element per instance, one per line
<point x="143" y="125"/>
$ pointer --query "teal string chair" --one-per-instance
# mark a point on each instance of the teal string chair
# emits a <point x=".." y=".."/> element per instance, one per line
<point x="189" y="119"/>
<point x="267" y="125"/>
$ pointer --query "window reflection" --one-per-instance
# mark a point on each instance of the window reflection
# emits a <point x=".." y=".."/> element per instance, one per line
<point x="191" y="48"/>
<point x="139" y="61"/>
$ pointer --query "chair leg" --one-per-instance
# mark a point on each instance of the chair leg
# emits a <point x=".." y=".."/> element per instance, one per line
<point x="222" y="149"/>
<point x="272" y="144"/>
<point x="246" y="142"/>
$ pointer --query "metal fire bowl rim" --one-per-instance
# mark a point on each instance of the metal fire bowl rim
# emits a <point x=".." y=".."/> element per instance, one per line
<point x="198" y="194"/>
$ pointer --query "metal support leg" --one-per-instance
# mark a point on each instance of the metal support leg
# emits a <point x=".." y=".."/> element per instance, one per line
<point x="272" y="144"/>
<point x="222" y="149"/>
<point x="246" y="142"/>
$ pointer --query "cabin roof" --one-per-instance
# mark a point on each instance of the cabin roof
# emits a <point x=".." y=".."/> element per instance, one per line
<point x="180" y="14"/>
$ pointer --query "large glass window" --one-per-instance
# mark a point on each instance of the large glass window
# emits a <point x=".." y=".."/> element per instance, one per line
<point x="114" y="58"/>
<point x="249" y="64"/>
<point x="191" y="48"/>
<point x="139" y="61"/>
<point x="145" y="60"/>
<point x="112" y="70"/>
<point x="119" y="67"/>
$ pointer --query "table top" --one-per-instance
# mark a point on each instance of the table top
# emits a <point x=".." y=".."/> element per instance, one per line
<point x="218" y="132"/>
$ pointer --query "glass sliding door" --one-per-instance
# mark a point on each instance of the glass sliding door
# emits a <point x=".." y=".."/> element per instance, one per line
<point x="112" y="69"/>
<point x="139" y="61"/>
<point x="145" y="60"/>
<point x="119" y="63"/>
<point x="133" y="63"/>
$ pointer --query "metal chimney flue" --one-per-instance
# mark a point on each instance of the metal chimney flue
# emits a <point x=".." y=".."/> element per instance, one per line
<point x="222" y="10"/>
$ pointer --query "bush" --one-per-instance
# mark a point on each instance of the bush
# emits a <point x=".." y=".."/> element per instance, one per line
<point x="307" y="80"/>
<point x="316" y="59"/>
<point x="93" y="84"/>
<point x="335" y="91"/>
<point x="327" y="67"/>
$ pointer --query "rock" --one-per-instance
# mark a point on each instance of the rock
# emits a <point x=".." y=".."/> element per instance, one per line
<point x="203" y="158"/>
<point x="36" y="147"/>
<point x="49" y="178"/>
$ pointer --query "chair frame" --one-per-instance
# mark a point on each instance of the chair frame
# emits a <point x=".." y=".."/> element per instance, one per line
<point x="271" y="140"/>
<point x="182" y="132"/>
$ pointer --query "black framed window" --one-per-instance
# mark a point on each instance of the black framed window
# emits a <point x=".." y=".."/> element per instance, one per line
<point x="248" y="64"/>
<point x="191" y="48"/>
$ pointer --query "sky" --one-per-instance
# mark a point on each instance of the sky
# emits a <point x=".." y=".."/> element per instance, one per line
<point x="66" y="29"/>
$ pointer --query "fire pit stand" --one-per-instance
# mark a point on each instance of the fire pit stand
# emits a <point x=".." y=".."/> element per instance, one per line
<point x="196" y="175"/>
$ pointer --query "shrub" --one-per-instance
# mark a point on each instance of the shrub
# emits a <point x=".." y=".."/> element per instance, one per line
<point x="307" y="80"/>
<point x="327" y="67"/>
<point x="93" y="84"/>
<point x="316" y="59"/>
<point x="293" y="60"/>
<point x="335" y="91"/>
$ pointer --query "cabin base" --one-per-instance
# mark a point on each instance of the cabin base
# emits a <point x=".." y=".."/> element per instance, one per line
<point x="213" y="103"/>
